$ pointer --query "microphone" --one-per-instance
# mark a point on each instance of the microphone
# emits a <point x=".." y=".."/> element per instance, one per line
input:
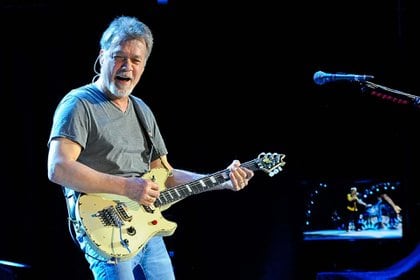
<point x="321" y="78"/>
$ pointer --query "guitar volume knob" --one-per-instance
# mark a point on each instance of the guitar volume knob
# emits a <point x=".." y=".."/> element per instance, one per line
<point x="131" y="230"/>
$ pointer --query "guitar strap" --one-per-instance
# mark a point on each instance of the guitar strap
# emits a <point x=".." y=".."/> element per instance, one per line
<point x="139" y="106"/>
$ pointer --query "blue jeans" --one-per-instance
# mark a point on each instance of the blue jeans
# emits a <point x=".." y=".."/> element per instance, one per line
<point x="151" y="263"/>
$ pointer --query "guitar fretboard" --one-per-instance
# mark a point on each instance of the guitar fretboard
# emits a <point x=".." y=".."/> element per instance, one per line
<point x="198" y="186"/>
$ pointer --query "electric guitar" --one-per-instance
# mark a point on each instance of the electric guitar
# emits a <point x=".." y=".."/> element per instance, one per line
<point x="119" y="227"/>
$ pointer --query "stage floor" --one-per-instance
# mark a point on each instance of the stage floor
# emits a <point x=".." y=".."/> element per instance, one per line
<point x="363" y="234"/>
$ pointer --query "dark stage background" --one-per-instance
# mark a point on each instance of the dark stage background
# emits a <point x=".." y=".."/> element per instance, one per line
<point x="225" y="80"/>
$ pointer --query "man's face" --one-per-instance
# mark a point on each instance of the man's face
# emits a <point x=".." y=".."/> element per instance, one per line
<point x="122" y="67"/>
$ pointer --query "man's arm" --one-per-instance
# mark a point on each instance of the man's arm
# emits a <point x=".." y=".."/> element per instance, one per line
<point x="388" y="199"/>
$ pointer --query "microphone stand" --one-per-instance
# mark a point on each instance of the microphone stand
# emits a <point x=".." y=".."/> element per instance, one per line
<point x="391" y="94"/>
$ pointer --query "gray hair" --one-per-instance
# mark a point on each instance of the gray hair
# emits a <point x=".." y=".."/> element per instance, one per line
<point x="124" y="28"/>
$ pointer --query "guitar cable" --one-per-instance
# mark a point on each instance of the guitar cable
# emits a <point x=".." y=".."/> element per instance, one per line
<point x="74" y="227"/>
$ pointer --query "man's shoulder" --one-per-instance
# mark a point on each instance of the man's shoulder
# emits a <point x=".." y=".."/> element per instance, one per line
<point x="84" y="90"/>
<point x="140" y="102"/>
<point x="86" y="93"/>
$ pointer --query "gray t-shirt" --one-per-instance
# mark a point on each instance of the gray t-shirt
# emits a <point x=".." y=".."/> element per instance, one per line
<point x="113" y="142"/>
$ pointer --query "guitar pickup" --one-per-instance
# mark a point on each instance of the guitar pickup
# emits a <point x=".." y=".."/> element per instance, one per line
<point x="114" y="215"/>
<point x="120" y="207"/>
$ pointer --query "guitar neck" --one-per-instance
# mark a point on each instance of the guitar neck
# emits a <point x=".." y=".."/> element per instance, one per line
<point x="174" y="194"/>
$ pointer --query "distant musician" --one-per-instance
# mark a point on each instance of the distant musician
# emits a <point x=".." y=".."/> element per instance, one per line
<point x="352" y="210"/>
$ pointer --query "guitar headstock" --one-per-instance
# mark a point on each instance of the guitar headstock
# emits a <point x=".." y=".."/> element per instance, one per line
<point x="271" y="163"/>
